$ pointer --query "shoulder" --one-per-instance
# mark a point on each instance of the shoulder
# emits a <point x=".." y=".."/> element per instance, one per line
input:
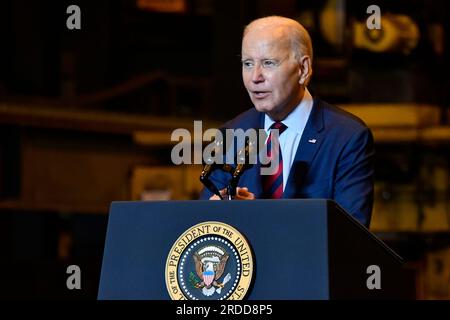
<point x="250" y="118"/>
<point x="337" y="119"/>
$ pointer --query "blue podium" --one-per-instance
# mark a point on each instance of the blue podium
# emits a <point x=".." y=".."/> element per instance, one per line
<point x="302" y="249"/>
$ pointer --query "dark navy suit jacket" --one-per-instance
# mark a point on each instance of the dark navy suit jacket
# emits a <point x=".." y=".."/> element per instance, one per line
<point x="338" y="166"/>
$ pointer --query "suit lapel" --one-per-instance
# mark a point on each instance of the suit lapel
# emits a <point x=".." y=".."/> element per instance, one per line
<point x="310" y="142"/>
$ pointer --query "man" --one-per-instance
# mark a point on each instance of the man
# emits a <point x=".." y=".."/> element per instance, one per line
<point x="325" y="151"/>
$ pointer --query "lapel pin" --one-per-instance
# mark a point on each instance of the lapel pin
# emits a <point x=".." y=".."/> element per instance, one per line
<point x="312" y="140"/>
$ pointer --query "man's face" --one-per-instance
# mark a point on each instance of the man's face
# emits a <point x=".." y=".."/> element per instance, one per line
<point x="270" y="72"/>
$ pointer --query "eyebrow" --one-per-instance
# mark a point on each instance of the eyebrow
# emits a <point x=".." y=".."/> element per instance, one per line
<point x="262" y="59"/>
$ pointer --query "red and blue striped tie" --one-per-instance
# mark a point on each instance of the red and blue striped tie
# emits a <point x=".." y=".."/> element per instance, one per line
<point x="273" y="184"/>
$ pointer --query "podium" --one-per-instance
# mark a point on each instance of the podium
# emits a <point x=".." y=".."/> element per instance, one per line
<point x="302" y="249"/>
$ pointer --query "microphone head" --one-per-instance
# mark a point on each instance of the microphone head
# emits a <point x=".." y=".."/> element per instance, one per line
<point x="243" y="157"/>
<point x="216" y="145"/>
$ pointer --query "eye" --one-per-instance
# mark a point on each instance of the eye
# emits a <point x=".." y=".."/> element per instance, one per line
<point x="270" y="63"/>
<point x="247" y="64"/>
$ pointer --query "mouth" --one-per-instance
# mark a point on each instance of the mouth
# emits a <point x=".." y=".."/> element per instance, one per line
<point x="260" y="94"/>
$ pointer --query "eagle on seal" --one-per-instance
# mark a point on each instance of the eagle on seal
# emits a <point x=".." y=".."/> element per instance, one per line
<point x="209" y="269"/>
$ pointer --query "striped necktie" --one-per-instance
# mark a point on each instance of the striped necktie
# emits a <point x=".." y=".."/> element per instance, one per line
<point x="273" y="184"/>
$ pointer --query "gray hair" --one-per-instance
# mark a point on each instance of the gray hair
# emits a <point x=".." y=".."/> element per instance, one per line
<point x="300" y="40"/>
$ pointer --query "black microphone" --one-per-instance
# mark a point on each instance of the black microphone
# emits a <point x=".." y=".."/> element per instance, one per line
<point x="243" y="158"/>
<point x="210" y="165"/>
<point x="243" y="163"/>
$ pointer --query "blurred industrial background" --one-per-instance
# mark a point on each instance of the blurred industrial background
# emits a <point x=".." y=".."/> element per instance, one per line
<point x="86" y="117"/>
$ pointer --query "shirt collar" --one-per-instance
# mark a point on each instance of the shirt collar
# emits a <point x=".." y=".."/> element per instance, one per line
<point x="298" y="117"/>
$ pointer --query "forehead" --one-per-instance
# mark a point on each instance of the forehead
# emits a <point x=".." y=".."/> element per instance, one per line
<point x="266" y="41"/>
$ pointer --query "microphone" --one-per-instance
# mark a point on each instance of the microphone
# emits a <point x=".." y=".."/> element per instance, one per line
<point x="210" y="166"/>
<point x="243" y="158"/>
<point x="242" y="164"/>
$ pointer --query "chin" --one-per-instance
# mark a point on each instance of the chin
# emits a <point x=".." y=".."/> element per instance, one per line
<point x="262" y="107"/>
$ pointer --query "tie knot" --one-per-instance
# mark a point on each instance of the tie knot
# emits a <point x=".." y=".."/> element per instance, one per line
<point x="278" y="125"/>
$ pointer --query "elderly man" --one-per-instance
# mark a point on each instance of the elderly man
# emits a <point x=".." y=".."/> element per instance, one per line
<point x="325" y="152"/>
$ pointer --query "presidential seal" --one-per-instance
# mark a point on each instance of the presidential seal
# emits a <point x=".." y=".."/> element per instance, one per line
<point x="209" y="261"/>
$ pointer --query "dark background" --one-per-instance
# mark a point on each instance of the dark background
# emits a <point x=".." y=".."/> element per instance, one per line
<point x="72" y="100"/>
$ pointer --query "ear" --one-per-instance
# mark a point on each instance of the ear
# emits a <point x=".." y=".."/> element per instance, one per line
<point x="305" y="70"/>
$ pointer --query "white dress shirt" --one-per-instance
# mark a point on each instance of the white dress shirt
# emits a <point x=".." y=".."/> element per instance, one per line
<point x="290" y="139"/>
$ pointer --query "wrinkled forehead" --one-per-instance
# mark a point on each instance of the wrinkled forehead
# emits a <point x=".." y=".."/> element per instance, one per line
<point x="266" y="40"/>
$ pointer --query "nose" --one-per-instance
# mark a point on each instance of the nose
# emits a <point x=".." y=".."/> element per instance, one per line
<point x="257" y="75"/>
